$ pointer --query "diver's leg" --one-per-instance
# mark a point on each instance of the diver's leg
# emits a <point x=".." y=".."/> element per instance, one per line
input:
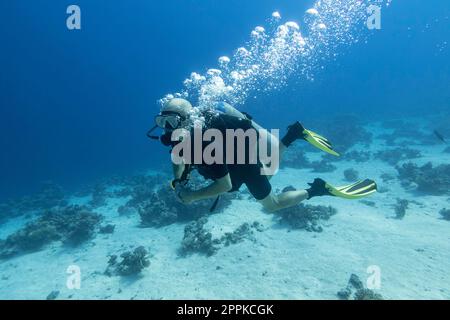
<point x="295" y="132"/>
<point x="260" y="187"/>
<point x="273" y="202"/>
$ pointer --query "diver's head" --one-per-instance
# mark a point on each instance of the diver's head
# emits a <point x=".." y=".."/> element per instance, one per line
<point x="178" y="105"/>
<point x="173" y="114"/>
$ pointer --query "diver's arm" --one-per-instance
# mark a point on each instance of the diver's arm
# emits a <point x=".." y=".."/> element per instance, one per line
<point x="178" y="170"/>
<point x="218" y="187"/>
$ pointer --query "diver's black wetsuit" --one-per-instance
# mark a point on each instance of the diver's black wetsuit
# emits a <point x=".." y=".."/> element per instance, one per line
<point x="248" y="174"/>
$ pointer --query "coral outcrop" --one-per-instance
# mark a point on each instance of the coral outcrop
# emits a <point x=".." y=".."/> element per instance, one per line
<point x="394" y="156"/>
<point x="132" y="263"/>
<point x="445" y="213"/>
<point x="427" y="178"/>
<point x="306" y="217"/>
<point x="361" y="293"/>
<point x="242" y="232"/>
<point x="197" y="239"/>
<point x="400" y="208"/>
<point x="160" y="207"/>
<point x="351" y="175"/>
<point x="72" y="225"/>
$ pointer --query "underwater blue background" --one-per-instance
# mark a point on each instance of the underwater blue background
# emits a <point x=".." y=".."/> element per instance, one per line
<point x="75" y="105"/>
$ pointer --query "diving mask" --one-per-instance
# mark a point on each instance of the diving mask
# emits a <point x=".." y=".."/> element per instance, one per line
<point x="168" y="120"/>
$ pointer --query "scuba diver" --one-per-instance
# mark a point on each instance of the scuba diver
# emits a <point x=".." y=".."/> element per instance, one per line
<point x="229" y="177"/>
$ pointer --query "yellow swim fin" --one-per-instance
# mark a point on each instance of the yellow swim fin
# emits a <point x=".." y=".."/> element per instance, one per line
<point x="358" y="190"/>
<point x="319" y="142"/>
<point x="297" y="131"/>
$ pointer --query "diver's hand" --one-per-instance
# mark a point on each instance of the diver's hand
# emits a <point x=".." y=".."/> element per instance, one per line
<point x="185" y="196"/>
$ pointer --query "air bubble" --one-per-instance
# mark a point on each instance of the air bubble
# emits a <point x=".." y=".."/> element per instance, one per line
<point x="293" y="25"/>
<point x="274" y="55"/>
<point x="321" y="26"/>
<point x="312" y="12"/>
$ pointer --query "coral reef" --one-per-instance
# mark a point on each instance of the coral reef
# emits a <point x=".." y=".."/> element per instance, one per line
<point x="31" y="238"/>
<point x="427" y="179"/>
<point x="53" y="295"/>
<point x="241" y="233"/>
<point x="161" y="207"/>
<point x="157" y="208"/>
<point x="445" y="213"/>
<point x="367" y="294"/>
<point x="133" y="262"/>
<point x="351" y="175"/>
<point x="400" y="208"/>
<point x="119" y="187"/>
<point x="361" y="293"/>
<point x="355" y="282"/>
<point x="345" y="293"/>
<point x="107" y="229"/>
<point x="407" y="132"/>
<point x="306" y="217"/>
<point x="73" y="225"/>
<point x="394" y="156"/>
<point x="197" y="239"/>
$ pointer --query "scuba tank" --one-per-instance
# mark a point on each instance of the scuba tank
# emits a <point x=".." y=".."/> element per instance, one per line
<point x="228" y="109"/>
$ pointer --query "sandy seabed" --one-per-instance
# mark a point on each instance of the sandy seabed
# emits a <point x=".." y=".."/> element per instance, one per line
<point x="413" y="254"/>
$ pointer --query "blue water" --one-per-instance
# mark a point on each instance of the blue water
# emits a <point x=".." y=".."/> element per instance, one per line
<point x="75" y="105"/>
